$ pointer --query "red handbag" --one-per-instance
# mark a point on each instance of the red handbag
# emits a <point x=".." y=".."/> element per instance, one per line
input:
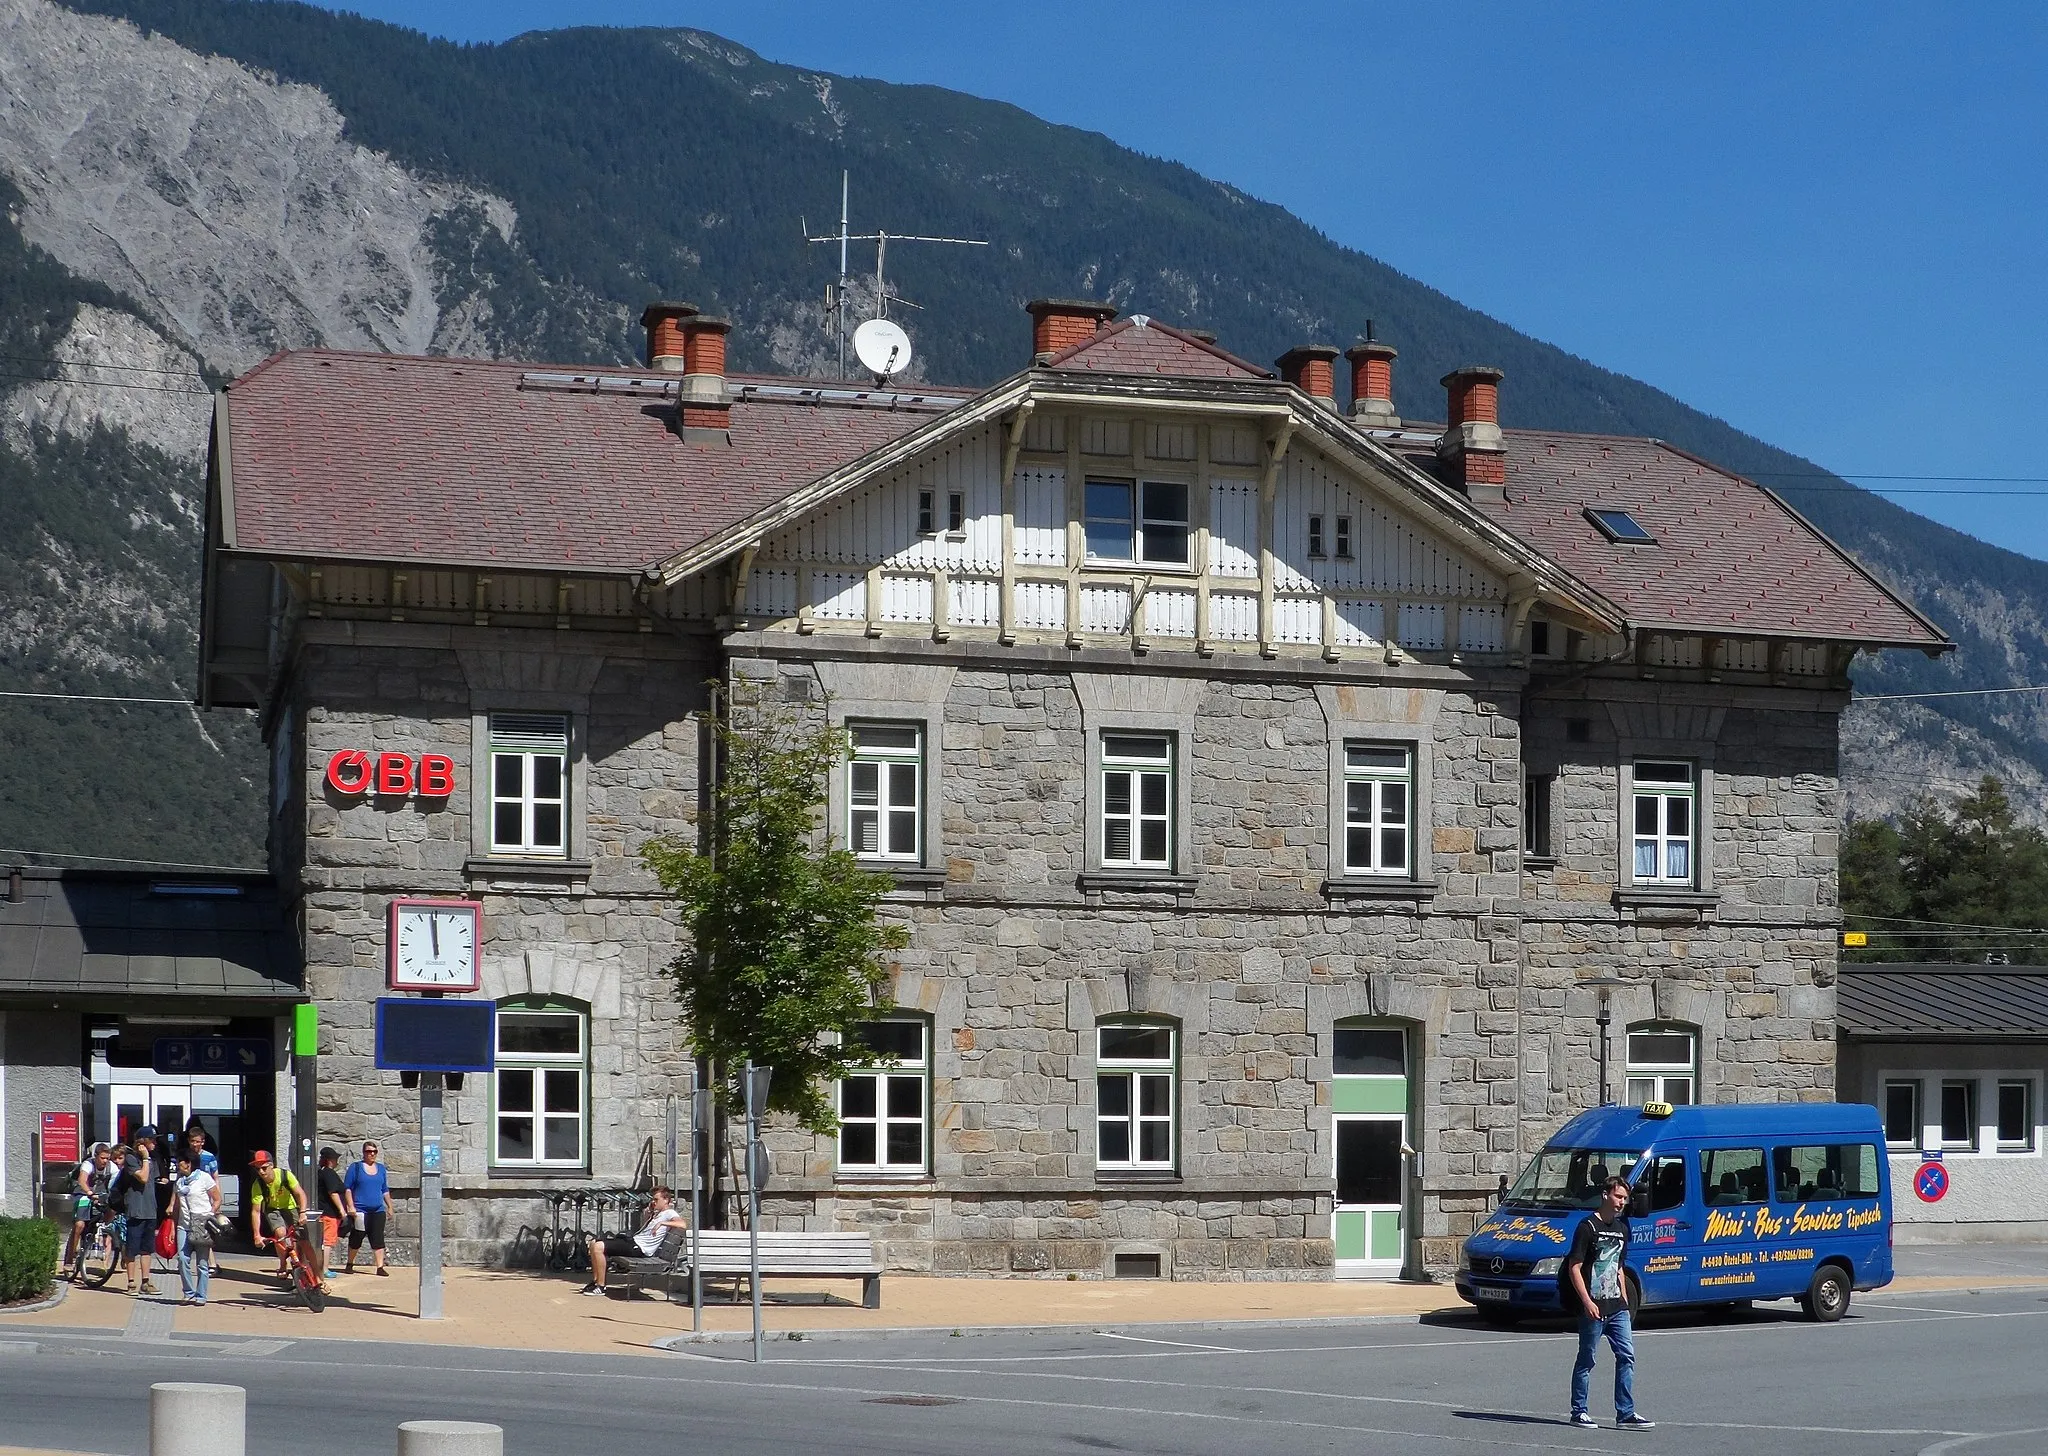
<point x="166" y="1239"/>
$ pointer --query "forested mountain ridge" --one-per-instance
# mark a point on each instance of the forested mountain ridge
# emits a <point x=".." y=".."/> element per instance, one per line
<point x="220" y="179"/>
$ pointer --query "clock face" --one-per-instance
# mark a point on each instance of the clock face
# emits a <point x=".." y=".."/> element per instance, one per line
<point x="434" y="945"/>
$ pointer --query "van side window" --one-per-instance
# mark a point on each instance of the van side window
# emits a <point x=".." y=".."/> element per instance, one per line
<point x="1824" y="1171"/>
<point x="1666" y="1182"/>
<point x="1731" y="1175"/>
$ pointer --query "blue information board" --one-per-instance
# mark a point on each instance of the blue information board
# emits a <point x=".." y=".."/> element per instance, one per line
<point x="435" y="1036"/>
<point x="210" y="1056"/>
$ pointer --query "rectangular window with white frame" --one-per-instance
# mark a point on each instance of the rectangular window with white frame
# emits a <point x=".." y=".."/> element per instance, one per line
<point x="1902" y="1125"/>
<point x="1137" y="801"/>
<point x="540" y="1093"/>
<point x="1379" y="797"/>
<point x="885" y="792"/>
<point x="1662" y="1065"/>
<point x="1134" y="1096"/>
<point x="529" y="784"/>
<point x="1959" y="1115"/>
<point x="1664" y="816"/>
<point x="2016" y="1116"/>
<point x="884" y="1111"/>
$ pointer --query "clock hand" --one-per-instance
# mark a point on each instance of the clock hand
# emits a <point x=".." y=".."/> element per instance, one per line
<point x="434" y="926"/>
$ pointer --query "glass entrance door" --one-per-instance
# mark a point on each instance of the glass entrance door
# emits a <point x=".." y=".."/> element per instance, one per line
<point x="1369" y="1099"/>
<point x="162" y="1106"/>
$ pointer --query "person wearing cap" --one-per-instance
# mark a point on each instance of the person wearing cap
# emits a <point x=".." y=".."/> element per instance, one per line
<point x="336" y="1207"/>
<point x="136" y="1187"/>
<point x="276" y="1202"/>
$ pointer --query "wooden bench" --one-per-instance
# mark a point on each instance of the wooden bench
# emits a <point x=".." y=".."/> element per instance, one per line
<point x="784" y="1253"/>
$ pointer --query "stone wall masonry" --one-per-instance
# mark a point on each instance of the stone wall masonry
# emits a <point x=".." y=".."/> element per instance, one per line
<point x="600" y="939"/>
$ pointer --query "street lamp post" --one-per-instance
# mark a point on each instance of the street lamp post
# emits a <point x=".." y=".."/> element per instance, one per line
<point x="1603" y="1019"/>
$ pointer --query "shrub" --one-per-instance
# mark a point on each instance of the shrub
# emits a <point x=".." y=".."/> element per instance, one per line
<point x="28" y="1257"/>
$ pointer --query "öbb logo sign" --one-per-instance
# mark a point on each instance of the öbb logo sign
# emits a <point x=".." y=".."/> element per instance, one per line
<point x="354" y="772"/>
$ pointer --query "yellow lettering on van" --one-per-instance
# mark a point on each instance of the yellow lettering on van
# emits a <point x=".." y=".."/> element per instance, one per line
<point x="1863" y="1218"/>
<point x="1816" y="1220"/>
<point x="1768" y="1223"/>
<point x="1725" y="1225"/>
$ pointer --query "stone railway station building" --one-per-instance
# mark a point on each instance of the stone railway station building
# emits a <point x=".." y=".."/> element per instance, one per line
<point x="1294" y="810"/>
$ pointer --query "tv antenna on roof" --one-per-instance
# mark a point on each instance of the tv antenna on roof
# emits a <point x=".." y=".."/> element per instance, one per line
<point x="838" y="300"/>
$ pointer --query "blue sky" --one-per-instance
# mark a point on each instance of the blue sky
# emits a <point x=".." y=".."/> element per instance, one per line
<point x="1824" y="223"/>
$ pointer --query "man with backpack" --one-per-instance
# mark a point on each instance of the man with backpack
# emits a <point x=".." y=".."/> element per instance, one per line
<point x="135" y="1186"/>
<point x="1596" y="1289"/>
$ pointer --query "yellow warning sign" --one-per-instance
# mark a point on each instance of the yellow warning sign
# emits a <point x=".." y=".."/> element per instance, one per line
<point x="1855" y="937"/>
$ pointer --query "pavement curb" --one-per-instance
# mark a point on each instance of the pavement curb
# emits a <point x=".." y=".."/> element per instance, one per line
<point x="58" y="1294"/>
<point x="1141" y="1329"/>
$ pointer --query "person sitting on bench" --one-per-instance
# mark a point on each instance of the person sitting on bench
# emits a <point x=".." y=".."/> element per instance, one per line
<point x="661" y="1216"/>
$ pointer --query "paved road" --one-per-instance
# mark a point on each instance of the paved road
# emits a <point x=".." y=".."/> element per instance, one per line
<point x="1953" y="1374"/>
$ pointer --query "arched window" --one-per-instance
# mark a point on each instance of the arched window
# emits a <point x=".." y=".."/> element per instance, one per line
<point x="885" y="1111"/>
<point x="1136" y="1067"/>
<point x="1662" y="1063"/>
<point x="540" y="1094"/>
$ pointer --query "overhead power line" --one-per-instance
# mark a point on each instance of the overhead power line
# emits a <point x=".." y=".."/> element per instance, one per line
<point x="156" y="864"/>
<point x="96" y="698"/>
<point x="1949" y="693"/>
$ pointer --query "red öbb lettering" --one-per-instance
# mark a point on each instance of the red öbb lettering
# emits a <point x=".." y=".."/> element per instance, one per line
<point x="394" y="775"/>
<point x="437" y="776"/>
<point x="348" y="772"/>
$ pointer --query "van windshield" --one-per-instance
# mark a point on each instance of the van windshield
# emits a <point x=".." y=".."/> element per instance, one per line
<point x="1570" y="1177"/>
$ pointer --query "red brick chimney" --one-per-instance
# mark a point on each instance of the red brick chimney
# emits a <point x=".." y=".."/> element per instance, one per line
<point x="1471" y="445"/>
<point x="664" y="324"/>
<point x="1372" y="386"/>
<point x="706" y="409"/>
<point x="1311" y="369"/>
<point x="1057" y="324"/>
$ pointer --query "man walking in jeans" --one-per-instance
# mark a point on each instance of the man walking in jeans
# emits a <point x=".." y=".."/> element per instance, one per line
<point x="1595" y="1285"/>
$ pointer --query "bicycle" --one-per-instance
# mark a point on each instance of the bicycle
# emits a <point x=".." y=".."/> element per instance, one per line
<point x="295" y="1247"/>
<point x="99" y="1250"/>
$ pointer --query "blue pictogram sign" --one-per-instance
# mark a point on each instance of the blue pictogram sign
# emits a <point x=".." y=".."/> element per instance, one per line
<point x="211" y="1056"/>
<point x="1930" y="1182"/>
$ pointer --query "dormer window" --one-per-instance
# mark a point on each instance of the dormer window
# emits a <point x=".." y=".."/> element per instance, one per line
<point x="1156" y="531"/>
<point x="1619" y="527"/>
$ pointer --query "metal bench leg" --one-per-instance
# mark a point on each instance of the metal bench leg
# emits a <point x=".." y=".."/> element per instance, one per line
<point x="871" y="1291"/>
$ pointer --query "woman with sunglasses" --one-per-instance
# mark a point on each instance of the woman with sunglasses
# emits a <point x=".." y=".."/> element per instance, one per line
<point x="368" y="1183"/>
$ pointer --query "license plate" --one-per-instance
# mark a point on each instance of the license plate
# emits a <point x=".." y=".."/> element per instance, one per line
<point x="1487" y="1293"/>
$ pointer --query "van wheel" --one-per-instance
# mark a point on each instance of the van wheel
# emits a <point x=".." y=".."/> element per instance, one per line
<point x="1633" y="1288"/>
<point x="1827" y="1298"/>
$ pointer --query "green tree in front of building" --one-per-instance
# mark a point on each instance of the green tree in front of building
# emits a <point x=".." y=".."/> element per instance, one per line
<point x="1954" y="882"/>
<point x="788" y="953"/>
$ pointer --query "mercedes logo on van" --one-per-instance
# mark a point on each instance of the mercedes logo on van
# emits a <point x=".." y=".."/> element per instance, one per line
<point x="1497" y="1264"/>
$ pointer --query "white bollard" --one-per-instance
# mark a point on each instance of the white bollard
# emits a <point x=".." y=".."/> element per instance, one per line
<point x="190" y="1419"/>
<point x="449" y="1438"/>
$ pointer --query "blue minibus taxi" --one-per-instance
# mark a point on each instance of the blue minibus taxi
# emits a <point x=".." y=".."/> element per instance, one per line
<point x="1731" y="1204"/>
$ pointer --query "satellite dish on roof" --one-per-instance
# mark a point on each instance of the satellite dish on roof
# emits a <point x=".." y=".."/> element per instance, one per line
<point x="882" y="347"/>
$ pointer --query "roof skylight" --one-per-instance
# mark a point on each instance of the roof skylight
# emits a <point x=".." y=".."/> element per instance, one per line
<point x="1620" y="526"/>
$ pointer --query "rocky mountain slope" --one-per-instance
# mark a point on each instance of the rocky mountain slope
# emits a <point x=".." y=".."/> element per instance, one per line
<point x="188" y="185"/>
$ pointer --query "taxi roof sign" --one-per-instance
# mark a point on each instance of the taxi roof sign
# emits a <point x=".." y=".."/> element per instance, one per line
<point x="1656" y="1109"/>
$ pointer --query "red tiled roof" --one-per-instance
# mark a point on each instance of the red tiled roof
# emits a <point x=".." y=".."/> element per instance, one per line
<point x="394" y="457"/>
<point x="1728" y="555"/>
<point x="1141" y="345"/>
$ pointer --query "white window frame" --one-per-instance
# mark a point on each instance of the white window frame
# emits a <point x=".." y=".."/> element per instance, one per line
<point x="1655" y="1076"/>
<point x="528" y="739"/>
<point x="1374" y="822"/>
<point x="543" y="1067"/>
<point x="884" y="810"/>
<point x="1666" y="794"/>
<point x="904" y="1071"/>
<point x="1315" y="537"/>
<point x="1134" y="769"/>
<point x="1143" y="1079"/>
<point x="1343" y="551"/>
<point x="1919" y="1091"/>
<point x="1144" y="510"/>
<point x="1975" y="1113"/>
<point x="2027" y="1088"/>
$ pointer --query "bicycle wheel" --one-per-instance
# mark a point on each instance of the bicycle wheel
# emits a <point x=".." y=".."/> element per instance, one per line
<point x="308" y="1285"/>
<point x="99" y="1258"/>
